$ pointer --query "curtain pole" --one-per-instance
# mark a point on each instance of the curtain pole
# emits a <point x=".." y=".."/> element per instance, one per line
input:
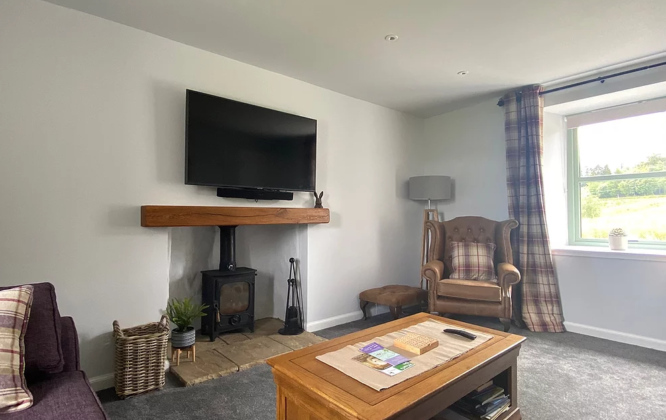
<point x="600" y="79"/>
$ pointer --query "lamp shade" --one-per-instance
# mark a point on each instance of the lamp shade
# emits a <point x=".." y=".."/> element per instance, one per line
<point x="435" y="187"/>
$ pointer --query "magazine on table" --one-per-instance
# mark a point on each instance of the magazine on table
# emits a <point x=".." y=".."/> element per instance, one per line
<point x="382" y="359"/>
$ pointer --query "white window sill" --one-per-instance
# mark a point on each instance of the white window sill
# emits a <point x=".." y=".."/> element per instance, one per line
<point x="602" y="252"/>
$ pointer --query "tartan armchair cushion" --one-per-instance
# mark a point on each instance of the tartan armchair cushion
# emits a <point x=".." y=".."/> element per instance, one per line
<point x="473" y="261"/>
<point x="15" y="307"/>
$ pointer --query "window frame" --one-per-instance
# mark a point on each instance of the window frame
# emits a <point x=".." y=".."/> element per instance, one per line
<point x="574" y="179"/>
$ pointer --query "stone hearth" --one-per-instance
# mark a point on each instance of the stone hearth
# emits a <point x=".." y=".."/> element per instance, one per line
<point x="237" y="351"/>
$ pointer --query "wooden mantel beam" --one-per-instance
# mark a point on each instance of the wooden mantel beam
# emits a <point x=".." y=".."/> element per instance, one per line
<point x="181" y="216"/>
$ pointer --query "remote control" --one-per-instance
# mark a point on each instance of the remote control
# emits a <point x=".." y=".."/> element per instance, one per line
<point x="460" y="333"/>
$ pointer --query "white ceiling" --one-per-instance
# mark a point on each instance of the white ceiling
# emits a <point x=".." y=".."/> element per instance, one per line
<point x="339" y="44"/>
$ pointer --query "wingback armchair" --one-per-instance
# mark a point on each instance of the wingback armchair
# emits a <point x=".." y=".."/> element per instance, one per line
<point x="470" y="297"/>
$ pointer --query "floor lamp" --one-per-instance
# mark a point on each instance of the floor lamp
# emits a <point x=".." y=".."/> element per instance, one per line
<point x="429" y="188"/>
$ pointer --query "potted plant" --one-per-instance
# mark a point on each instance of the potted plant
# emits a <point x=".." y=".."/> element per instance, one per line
<point x="183" y="313"/>
<point x="617" y="240"/>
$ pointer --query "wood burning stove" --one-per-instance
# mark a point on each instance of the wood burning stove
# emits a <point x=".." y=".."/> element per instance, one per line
<point x="230" y="299"/>
<point x="228" y="292"/>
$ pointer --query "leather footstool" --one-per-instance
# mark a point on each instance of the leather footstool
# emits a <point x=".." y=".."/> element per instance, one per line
<point x="395" y="297"/>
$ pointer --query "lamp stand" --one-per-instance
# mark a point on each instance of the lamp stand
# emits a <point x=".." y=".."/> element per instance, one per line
<point x="428" y="214"/>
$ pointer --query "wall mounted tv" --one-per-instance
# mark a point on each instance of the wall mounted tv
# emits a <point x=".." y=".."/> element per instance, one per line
<point x="247" y="150"/>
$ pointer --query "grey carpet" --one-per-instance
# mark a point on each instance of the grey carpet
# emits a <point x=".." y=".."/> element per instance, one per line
<point x="560" y="376"/>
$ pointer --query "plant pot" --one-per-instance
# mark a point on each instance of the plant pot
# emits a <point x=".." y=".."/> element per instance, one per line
<point x="618" y="243"/>
<point x="180" y="340"/>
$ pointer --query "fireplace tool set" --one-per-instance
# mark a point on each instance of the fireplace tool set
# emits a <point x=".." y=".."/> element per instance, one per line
<point x="293" y="317"/>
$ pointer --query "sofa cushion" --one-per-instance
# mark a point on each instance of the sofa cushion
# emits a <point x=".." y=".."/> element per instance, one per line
<point x="43" y="353"/>
<point x="14" y="316"/>
<point x="63" y="396"/>
<point x="473" y="261"/>
<point x="470" y="290"/>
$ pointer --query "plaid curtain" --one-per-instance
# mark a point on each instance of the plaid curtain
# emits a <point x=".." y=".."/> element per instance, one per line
<point x="536" y="300"/>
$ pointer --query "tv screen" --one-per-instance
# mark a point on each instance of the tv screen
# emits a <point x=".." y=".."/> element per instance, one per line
<point x="234" y="144"/>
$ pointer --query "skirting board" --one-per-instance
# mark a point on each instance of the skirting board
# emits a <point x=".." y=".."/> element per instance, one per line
<point x="101" y="382"/>
<point x="343" y="319"/>
<point x="621" y="337"/>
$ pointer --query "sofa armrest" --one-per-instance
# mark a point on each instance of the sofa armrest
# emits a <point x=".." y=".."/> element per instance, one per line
<point x="507" y="275"/>
<point x="70" y="344"/>
<point x="433" y="272"/>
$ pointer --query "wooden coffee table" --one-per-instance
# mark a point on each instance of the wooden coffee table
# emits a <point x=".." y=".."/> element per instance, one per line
<point x="308" y="389"/>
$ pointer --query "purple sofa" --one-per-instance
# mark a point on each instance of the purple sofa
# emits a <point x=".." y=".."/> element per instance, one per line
<point x="60" y="389"/>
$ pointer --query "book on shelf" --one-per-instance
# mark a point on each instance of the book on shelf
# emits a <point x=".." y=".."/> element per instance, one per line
<point x="491" y="406"/>
<point x="493" y="415"/>
<point x="486" y="396"/>
<point x="451" y="414"/>
<point x="481" y="389"/>
<point x="480" y="408"/>
<point x="487" y="402"/>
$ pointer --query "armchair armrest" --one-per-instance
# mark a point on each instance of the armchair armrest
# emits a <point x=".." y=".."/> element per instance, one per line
<point x="507" y="275"/>
<point x="433" y="272"/>
<point x="69" y="342"/>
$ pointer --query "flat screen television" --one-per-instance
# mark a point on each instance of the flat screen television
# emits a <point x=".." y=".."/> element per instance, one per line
<point x="232" y="144"/>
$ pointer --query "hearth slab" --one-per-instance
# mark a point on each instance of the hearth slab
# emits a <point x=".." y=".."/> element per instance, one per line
<point x="252" y="352"/>
<point x="210" y="364"/>
<point x="296" y="342"/>
<point x="234" y="351"/>
<point x="204" y="344"/>
<point x="232" y="338"/>
<point x="264" y="327"/>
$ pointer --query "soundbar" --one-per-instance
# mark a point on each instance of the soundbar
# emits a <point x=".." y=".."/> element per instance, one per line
<point x="254" y="194"/>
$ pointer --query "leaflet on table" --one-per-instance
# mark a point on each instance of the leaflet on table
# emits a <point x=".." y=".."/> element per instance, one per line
<point x="382" y="359"/>
<point x="381" y="365"/>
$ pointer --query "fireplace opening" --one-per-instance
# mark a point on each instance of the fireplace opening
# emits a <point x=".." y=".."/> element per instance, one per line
<point x="228" y="292"/>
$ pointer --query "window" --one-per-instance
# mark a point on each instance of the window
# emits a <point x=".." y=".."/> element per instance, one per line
<point x="617" y="179"/>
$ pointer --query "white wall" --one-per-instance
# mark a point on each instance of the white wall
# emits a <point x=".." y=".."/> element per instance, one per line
<point x="190" y="252"/>
<point x="619" y="299"/>
<point x="614" y="298"/>
<point x="374" y="233"/>
<point x="468" y="145"/>
<point x="92" y="127"/>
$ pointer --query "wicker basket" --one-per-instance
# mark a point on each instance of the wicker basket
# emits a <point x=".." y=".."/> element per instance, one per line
<point x="140" y="355"/>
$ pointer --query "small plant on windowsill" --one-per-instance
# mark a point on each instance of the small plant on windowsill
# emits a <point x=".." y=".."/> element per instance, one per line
<point x="617" y="240"/>
<point x="183" y="313"/>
